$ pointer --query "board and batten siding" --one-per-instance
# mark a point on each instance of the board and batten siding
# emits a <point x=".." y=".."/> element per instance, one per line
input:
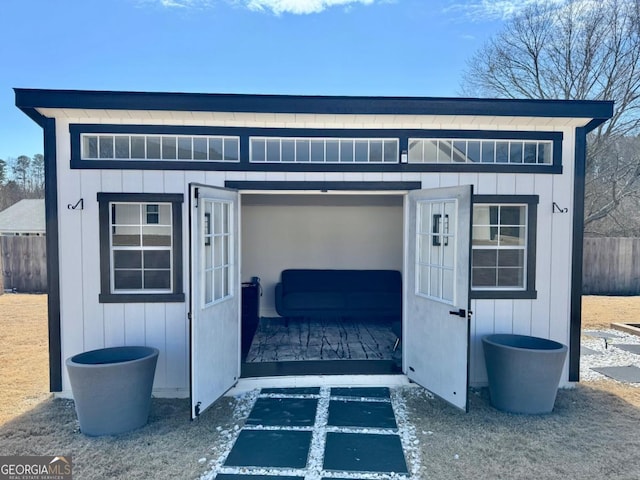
<point x="87" y="324"/>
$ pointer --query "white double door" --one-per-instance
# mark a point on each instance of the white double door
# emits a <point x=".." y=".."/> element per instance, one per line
<point x="436" y="292"/>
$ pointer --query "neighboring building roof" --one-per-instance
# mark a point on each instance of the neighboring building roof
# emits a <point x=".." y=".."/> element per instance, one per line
<point x="26" y="216"/>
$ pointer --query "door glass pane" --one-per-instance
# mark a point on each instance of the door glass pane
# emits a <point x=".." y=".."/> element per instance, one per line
<point x="217" y="218"/>
<point x="435" y="282"/>
<point x="423" y="280"/>
<point x="218" y="284"/>
<point x="208" y="286"/>
<point x="447" y="285"/>
<point x="218" y="243"/>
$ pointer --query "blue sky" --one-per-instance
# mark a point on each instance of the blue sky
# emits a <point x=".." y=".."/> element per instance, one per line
<point x="316" y="47"/>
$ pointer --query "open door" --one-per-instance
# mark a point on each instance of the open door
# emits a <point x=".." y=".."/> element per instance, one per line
<point x="215" y="294"/>
<point x="436" y="307"/>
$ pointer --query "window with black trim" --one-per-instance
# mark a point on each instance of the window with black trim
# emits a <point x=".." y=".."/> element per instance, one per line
<point x="140" y="247"/>
<point x="503" y="246"/>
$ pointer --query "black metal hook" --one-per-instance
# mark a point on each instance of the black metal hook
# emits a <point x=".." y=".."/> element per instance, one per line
<point x="558" y="209"/>
<point x="79" y="203"/>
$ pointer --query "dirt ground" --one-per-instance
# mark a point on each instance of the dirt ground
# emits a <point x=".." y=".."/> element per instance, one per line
<point x="591" y="434"/>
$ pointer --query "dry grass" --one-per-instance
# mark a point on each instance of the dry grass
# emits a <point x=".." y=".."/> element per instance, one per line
<point x="591" y="434"/>
<point x="24" y="360"/>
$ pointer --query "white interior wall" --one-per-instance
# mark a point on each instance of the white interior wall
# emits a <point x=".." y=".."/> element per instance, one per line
<point x="318" y="231"/>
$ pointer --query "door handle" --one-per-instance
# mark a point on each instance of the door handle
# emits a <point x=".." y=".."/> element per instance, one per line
<point x="460" y="313"/>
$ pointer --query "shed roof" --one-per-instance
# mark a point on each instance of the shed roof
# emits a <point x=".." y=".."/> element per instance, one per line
<point x="26" y="216"/>
<point x="37" y="103"/>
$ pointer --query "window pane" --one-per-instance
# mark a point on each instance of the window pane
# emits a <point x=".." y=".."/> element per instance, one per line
<point x="460" y="151"/>
<point x="106" y="147"/>
<point x="199" y="148"/>
<point x="502" y="152"/>
<point x="90" y="147"/>
<point x="390" y="151"/>
<point x="302" y="150"/>
<point x="157" y="259"/>
<point x="515" y="155"/>
<point x="415" y="151"/>
<point x="215" y="149"/>
<point x="484" y="258"/>
<point x="125" y="236"/>
<point x="137" y="147"/>
<point x="346" y="151"/>
<point x="157" y="279"/>
<point x="184" y="148"/>
<point x="512" y="236"/>
<point x="127" y="279"/>
<point x="169" y="148"/>
<point x="375" y="151"/>
<point x="530" y="152"/>
<point x="483" y="277"/>
<point x="127" y="259"/>
<point x="512" y="215"/>
<point x="544" y="153"/>
<point x="273" y="150"/>
<point x="231" y="149"/>
<point x="488" y="151"/>
<point x="317" y="151"/>
<point x="288" y="150"/>
<point x="125" y="214"/>
<point x="510" y="277"/>
<point x="473" y="151"/>
<point x="156" y="236"/>
<point x="362" y="151"/>
<point x="122" y="146"/>
<point x="511" y="258"/>
<point x="444" y="151"/>
<point x="153" y="147"/>
<point x="332" y="147"/>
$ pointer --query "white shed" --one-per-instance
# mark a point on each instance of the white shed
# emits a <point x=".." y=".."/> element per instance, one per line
<point x="182" y="198"/>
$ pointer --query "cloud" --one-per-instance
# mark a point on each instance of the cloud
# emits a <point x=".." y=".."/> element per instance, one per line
<point x="277" y="7"/>
<point x="300" y="7"/>
<point x="493" y="9"/>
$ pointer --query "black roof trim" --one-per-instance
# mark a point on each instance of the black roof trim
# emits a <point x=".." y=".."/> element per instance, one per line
<point x="26" y="99"/>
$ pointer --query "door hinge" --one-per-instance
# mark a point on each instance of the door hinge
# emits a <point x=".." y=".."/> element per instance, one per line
<point x="197" y="409"/>
<point x="189" y="315"/>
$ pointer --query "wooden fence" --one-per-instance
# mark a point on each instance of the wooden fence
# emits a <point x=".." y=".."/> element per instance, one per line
<point x="611" y="266"/>
<point x="24" y="263"/>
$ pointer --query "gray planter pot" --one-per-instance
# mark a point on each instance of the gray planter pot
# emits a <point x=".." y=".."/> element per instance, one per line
<point x="524" y="372"/>
<point x="112" y="388"/>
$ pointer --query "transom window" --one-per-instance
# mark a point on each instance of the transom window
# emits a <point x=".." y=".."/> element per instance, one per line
<point x="160" y="147"/>
<point x="323" y="150"/>
<point x="140" y="247"/>
<point x="217" y="241"/>
<point x="436" y="236"/>
<point x="439" y="150"/>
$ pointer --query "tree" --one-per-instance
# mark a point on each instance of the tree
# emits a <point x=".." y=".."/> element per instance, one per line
<point x="3" y="172"/>
<point x="21" y="170"/>
<point x="578" y="50"/>
<point x="37" y="173"/>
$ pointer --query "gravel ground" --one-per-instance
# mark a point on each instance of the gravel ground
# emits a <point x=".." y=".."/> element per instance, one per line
<point x="610" y="355"/>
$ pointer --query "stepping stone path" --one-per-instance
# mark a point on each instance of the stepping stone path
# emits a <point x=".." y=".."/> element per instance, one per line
<point x="319" y="433"/>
